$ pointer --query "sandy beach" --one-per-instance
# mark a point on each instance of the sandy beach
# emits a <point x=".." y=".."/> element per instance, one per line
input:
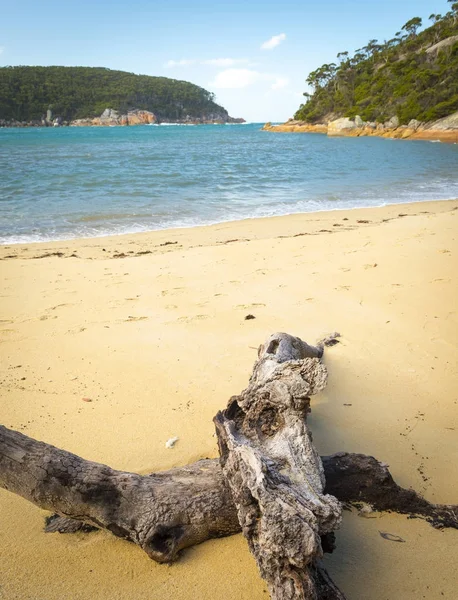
<point x="151" y="328"/>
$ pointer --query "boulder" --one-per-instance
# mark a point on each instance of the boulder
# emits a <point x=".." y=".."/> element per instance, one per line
<point x="414" y="124"/>
<point x="140" y="117"/>
<point x="447" y="123"/>
<point x="341" y="126"/>
<point x="392" y="123"/>
<point x="110" y="118"/>
<point x="109" y="113"/>
<point x="358" y="121"/>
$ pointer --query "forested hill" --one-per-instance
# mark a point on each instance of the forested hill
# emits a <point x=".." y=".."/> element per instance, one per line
<point x="26" y="93"/>
<point x="412" y="76"/>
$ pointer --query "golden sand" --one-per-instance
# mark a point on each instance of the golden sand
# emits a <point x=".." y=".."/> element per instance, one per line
<point x="151" y="327"/>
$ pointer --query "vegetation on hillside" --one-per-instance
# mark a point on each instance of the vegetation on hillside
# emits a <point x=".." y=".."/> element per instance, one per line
<point x="26" y="93"/>
<point x="395" y="77"/>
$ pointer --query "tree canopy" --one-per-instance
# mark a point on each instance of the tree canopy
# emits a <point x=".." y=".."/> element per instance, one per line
<point x="404" y="76"/>
<point x="26" y="93"/>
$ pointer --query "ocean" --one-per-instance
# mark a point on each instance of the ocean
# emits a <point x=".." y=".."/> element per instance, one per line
<point x="64" y="183"/>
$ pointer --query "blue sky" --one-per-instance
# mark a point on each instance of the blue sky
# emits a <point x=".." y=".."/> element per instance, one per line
<point x="254" y="55"/>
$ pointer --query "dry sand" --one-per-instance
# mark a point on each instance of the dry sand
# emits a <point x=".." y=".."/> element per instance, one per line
<point x="151" y="327"/>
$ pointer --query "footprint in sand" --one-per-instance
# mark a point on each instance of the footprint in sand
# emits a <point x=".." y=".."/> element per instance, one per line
<point x="59" y="306"/>
<point x="173" y="291"/>
<point x="7" y="333"/>
<point x="130" y="318"/>
<point x="254" y="305"/>
<point x="77" y="330"/>
<point x="190" y="319"/>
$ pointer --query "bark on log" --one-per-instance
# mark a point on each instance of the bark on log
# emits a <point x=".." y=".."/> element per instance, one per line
<point x="162" y="513"/>
<point x="274" y="472"/>
<point x="357" y="478"/>
<point x="349" y="477"/>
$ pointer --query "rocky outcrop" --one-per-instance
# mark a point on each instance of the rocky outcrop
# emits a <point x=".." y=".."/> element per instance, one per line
<point x="342" y="126"/>
<point x="111" y="118"/>
<point x="293" y="126"/>
<point x="443" y="130"/>
<point x="442" y="45"/>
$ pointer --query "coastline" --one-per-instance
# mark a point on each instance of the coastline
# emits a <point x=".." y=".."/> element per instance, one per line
<point x="287" y="225"/>
<point x="426" y="132"/>
<point x="121" y="320"/>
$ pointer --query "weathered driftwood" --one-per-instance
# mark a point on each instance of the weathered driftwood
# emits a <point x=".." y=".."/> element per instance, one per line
<point x="349" y="477"/>
<point x="355" y="478"/>
<point x="162" y="513"/>
<point x="274" y="472"/>
<point x="166" y="512"/>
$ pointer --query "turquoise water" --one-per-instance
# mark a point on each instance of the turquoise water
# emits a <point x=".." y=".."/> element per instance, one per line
<point x="64" y="183"/>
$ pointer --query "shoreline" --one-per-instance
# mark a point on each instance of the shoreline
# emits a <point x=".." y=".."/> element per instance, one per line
<point x="111" y="346"/>
<point x="229" y="223"/>
<point x="423" y="132"/>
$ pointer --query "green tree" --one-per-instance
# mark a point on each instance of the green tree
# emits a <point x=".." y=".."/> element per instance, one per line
<point x="84" y="92"/>
<point x="412" y="26"/>
<point x="396" y="77"/>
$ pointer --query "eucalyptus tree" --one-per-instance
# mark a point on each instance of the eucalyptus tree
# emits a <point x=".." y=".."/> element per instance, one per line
<point x="412" y="26"/>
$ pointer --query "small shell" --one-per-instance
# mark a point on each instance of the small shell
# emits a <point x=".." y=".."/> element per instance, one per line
<point x="171" y="442"/>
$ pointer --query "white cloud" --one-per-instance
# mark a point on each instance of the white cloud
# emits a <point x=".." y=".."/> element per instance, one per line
<point x="273" y="42"/>
<point x="179" y="63"/>
<point x="235" y="78"/>
<point x="279" y="83"/>
<point x="225" y="62"/>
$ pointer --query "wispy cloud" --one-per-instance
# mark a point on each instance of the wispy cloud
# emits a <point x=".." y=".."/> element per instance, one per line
<point x="274" y="41"/>
<point x="225" y="62"/>
<point x="179" y="63"/>
<point x="241" y="78"/>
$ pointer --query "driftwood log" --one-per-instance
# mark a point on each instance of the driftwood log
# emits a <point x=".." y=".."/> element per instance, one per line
<point x="275" y="475"/>
<point x="262" y="468"/>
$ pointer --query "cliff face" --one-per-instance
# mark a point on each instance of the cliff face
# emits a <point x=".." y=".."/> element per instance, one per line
<point x="443" y="130"/>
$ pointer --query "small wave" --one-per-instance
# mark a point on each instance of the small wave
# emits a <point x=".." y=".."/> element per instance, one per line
<point x="133" y="183"/>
